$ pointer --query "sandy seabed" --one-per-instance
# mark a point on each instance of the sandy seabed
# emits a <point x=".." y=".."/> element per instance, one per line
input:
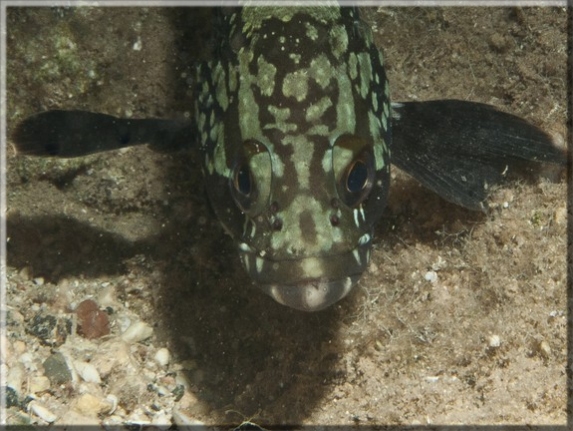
<point x="460" y="319"/>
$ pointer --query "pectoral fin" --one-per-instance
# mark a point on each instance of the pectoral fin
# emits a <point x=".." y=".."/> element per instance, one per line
<point x="459" y="149"/>
<point x="79" y="133"/>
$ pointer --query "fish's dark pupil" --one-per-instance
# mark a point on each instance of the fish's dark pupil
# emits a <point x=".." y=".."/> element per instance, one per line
<point x="243" y="180"/>
<point x="357" y="177"/>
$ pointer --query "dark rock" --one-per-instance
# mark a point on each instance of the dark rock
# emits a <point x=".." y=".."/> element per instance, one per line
<point x="92" y="322"/>
<point x="57" y="370"/>
<point x="11" y="397"/>
<point x="51" y="330"/>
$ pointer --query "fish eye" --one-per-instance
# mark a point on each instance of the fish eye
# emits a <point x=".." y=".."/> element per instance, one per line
<point x="243" y="180"/>
<point x="353" y="162"/>
<point x="357" y="176"/>
<point x="251" y="177"/>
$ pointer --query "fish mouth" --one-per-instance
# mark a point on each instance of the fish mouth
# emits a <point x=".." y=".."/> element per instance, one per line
<point x="308" y="283"/>
<point x="311" y="295"/>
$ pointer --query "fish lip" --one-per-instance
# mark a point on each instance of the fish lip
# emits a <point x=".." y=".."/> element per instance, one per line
<point x="311" y="282"/>
<point x="311" y="295"/>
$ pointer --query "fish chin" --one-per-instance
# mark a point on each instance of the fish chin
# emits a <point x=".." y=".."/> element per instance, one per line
<point x="309" y="283"/>
<point x="311" y="295"/>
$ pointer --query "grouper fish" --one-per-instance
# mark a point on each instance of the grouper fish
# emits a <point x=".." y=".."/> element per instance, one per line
<point x="296" y="130"/>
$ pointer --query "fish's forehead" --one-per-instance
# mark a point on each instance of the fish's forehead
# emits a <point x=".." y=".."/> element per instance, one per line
<point x="294" y="79"/>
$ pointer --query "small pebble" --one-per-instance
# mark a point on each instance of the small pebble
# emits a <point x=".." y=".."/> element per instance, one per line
<point x="137" y="45"/>
<point x="15" y="377"/>
<point x="560" y="215"/>
<point x="25" y="273"/>
<point x="92" y="322"/>
<point x="38" y="384"/>
<point x="107" y="296"/>
<point x="544" y="349"/>
<point x="41" y="411"/>
<point x="494" y="341"/>
<point x="49" y="329"/>
<point x="431" y="276"/>
<point x="162" y="357"/>
<point x="19" y="347"/>
<point x="87" y="372"/>
<point x="57" y="370"/>
<point x="137" y="332"/>
<point x="11" y="397"/>
<point x="112" y="399"/>
<point x="178" y="392"/>
<point x="91" y="405"/>
<point x="42" y="326"/>
<point x="123" y="322"/>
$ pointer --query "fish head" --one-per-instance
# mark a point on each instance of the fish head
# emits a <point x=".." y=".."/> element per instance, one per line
<point x="293" y="116"/>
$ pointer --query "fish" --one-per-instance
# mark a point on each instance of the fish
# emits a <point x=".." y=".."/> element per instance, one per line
<point x="296" y="131"/>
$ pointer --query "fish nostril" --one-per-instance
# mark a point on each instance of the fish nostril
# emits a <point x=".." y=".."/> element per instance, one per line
<point x="334" y="220"/>
<point x="277" y="224"/>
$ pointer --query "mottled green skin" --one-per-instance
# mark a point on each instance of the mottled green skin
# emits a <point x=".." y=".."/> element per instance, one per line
<point x="296" y="96"/>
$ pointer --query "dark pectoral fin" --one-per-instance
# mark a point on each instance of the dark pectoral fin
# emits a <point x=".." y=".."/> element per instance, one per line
<point x="79" y="133"/>
<point x="458" y="149"/>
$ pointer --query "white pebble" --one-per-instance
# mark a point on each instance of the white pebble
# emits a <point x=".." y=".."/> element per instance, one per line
<point x="41" y="411"/>
<point x="87" y="372"/>
<point x="27" y="359"/>
<point x="112" y="400"/>
<point x="431" y="276"/>
<point x="162" y="420"/>
<point x="107" y="296"/>
<point x="15" y="377"/>
<point x="494" y="341"/>
<point x="545" y="349"/>
<point x="162" y="356"/>
<point x="137" y="332"/>
<point x="137" y="45"/>
<point x="123" y="322"/>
